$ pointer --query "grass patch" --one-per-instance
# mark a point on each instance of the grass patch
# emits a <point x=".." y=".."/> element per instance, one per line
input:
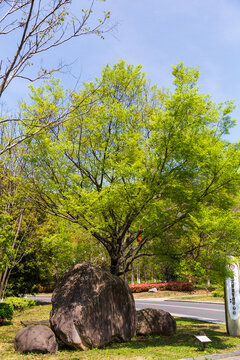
<point x="201" y="298"/>
<point x="181" y="345"/>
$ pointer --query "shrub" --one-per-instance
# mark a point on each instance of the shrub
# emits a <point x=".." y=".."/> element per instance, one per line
<point x="217" y="293"/>
<point x="6" y="311"/>
<point x="174" y="286"/>
<point x="20" y="304"/>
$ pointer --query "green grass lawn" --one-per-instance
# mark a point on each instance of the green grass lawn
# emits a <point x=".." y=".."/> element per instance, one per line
<point x="201" y="298"/>
<point x="181" y="345"/>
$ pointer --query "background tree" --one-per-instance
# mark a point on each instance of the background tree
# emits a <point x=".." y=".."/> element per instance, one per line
<point x="139" y="163"/>
<point x="56" y="246"/>
<point x="60" y="245"/>
<point x="198" y="248"/>
<point x="33" y="27"/>
<point x="18" y="215"/>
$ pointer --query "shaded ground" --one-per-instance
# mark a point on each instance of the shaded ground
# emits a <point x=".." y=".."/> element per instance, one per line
<point x="181" y="345"/>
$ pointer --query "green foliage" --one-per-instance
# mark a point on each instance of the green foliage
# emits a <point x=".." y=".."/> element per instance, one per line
<point x="59" y="245"/>
<point x="198" y="247"/>
<point x="26" y="277"/>
<point x="6" y="311"/>
<point x="138" y="161"/>
<point x="19" y="304"/>
<point x="18" y="215"/>
<point x="218" y="293"/>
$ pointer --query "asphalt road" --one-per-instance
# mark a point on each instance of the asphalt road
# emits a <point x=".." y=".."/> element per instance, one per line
<point x="194" y="310"/>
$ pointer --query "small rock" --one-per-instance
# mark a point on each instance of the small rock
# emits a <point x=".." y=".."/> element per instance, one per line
<point x="154" y="290"/>
<point x="35" y="322"/>
<point x="37" y="338"/>
<point x="155" y="322"/>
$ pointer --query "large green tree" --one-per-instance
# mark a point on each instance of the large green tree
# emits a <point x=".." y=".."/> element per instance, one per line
<point x="136" y="165"/>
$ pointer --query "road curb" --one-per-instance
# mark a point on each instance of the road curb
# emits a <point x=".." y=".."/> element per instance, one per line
<point x="217" y="356"/>
<point x="196" y="301"/>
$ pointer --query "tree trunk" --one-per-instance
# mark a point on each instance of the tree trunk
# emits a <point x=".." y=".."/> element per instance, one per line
<point x="115" y="267"/>
<point x="56" y="272"/>
<point x="138" y="275"/>
<point x="132" y="274"/>
<point x="6" y="282"/>
<point x="2" y="284"/>
<point x="145" y="275"/>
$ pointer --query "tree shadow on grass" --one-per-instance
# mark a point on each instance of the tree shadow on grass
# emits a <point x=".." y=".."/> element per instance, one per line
<point x="184" y="337"/>
<point x="39" y="302"/>
<point x="183" y="342"/>
<point x="5" y="323"/>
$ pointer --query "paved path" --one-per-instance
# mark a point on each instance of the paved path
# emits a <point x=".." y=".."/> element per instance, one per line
<point x="235" y="355"/>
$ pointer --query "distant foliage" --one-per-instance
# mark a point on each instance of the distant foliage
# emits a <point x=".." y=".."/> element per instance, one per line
<point x="19" y="304"/>
<point x="174" y="286"/>
<point x="6" y="311"/>
<point x="218" y="293"/>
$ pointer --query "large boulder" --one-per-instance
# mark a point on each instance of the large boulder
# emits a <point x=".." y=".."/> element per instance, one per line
<point x="91" y="307"/>
<point x="155" y="322"/>
<point x="37" y="338"/>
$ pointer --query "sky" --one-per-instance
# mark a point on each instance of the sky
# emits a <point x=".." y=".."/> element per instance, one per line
<point x="157" y="34"/>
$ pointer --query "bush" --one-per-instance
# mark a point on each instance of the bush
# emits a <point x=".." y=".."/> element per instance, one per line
<point x="20" y="304"/>
<point x="174" y="286"/>
<point x="218" y="293"/>
<point x="6" y="311"/>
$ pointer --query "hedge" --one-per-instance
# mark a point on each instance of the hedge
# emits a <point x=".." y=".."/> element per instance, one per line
<point x="174" y="286"/>
<point x="18" y="303"/>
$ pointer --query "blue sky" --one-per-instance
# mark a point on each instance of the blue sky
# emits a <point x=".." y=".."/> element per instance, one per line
<point x="158" y="34"/>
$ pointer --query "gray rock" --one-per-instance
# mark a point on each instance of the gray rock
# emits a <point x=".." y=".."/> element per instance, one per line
<point x="37" y="338"/>
<point x="154" y="290"/>
<point x="35" y="322"/>
<point x="91" y="307"/>
<point x="155" y="322"/>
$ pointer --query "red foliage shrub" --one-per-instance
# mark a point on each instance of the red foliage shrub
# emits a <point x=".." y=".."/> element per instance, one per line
<point x="174" y="286"/>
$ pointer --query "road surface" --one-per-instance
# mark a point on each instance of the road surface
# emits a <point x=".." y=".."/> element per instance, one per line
<point x="194" y="310"/>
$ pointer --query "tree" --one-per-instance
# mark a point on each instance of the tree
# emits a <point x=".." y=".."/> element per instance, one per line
<point x="200" y="246"/>
<point x="139" y="163"/>
<point x="35" y="27"/>
<point x="18" y="216"/>
<point x="56" y="246"/>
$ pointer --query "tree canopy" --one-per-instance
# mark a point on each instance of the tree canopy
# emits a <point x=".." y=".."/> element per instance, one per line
<point x="138" y="163"/>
